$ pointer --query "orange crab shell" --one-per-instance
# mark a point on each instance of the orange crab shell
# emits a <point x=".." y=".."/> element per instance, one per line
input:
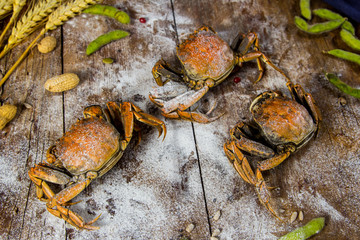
<point x="205" y="55"/>
<point x="88" y="145"/>
<point x="282" y="120"/>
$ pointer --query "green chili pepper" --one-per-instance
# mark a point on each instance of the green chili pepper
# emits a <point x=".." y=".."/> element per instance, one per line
<point x="330" y="15"/>
<point x="306" y="231"/>
<point x="319" y="27"/>
<point x="350" y="39"/>
<point x="108" y="11"/>
<point x="305" y="9"/>
<point x="342" y="86"/>
<point x="105" y="39"/>
<point x="353" y="57"/>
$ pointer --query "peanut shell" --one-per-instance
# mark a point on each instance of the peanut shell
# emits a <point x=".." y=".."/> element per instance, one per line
<point x="7" y="113"/>
<point x="62" y="82"/>
<point x="47" y="44"/>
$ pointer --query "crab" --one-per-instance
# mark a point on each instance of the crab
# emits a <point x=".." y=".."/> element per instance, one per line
<point x="206" y="61"/>
<point x="280" y="126"/>
<point x="91" y="147"/>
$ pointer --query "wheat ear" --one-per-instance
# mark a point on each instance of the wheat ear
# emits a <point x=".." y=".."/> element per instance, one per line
<point x="56" y="18"/>
<point x="17" y="6"/>
<point x="29" y="23"/>
<point x="6" y="7"/>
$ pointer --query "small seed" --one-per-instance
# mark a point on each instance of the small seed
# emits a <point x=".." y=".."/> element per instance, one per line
<point x="108" y="60"/>
<point x="216" y="232"/>
<point x="190" y="227"/>
<point x="27" y="105"/>
<point x="62" y="82"/>
<point x="301" y="215"/>
<point x="7" y="113"/>
<point x="342" y="101"/>
<point x="293" y="217"/>
<point x="47" y="44"/>
<point x="213" y="238"/>
<point x="217" y="215"/>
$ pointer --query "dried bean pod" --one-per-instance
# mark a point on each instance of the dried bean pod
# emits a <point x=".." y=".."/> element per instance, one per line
<point x="306" y="231"/>
<point x="108" y="11"/>
<point x="333" y="79"/>
<point x="7" y="113"/>
<point x="350" y="39"/>
<point x="330" y="15"/>
<point x="350" y="56"/>
<point x="105" y="39"/>
<point x="62" y="82"/>
<point x="305" y="9"/>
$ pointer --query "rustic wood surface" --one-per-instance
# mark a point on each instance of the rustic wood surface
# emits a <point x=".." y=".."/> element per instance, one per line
<point x="160" y="187"/>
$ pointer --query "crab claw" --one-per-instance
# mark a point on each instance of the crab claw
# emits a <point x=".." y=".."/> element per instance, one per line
<point x="264" y="194"/>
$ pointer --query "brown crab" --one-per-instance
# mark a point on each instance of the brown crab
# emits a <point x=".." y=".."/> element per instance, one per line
<point x="207" y="60"/>
<point x="87" y="151"/>
<point x="280" y="127"/>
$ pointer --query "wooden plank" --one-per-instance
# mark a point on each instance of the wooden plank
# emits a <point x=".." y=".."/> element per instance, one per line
<point x="320" y="178"/>
<point x="157" y="193"/>
<point x="25" y="140"/>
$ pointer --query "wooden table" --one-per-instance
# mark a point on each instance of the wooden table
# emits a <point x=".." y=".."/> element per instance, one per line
<point x="160" y="187"/>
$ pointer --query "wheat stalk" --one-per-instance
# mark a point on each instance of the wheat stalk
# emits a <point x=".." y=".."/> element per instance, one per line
<point x="6" y="7"/>
<point x="70" y="10"/>
<point x="56" y="19"/>
<point x="29" y="23"/>
<point x="17" y="6"/>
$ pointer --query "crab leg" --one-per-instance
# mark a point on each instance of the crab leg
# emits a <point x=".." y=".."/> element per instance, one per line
<point x="264" y="194"/>
<point x="61" y="212"/>
<point x="242" y="48"/>
<point x="240" y="143"/>
<point x="148" y="119"/>
<point x="272" y="162"/>
<point x="259" y="55"/>
<point x="240" y="162"/>
<point x="162" y="69"/>
<point x="242" y="166"/>
<point x="304" y="98"/>
<point x="175" y="107"/>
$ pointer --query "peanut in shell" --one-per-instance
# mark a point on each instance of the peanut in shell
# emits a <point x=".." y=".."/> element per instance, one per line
<point x="62" y="82"/>
<point x="7" y="113"/>
<point x="47" y="44"/>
